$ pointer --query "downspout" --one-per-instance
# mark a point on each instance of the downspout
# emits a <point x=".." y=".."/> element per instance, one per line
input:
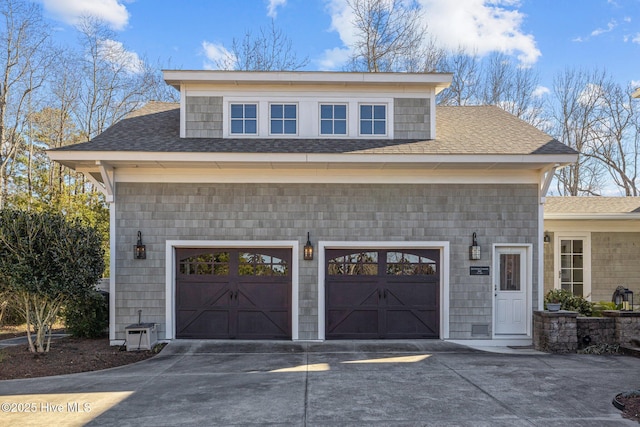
<point x="545" y="182"/>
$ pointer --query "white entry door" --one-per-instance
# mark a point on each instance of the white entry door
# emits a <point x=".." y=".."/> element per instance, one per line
<point x="510" y="288"/>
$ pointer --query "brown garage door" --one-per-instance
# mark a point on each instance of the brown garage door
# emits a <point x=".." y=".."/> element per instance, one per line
<point x="233" y="293"/>
<point x="372" y="294"/>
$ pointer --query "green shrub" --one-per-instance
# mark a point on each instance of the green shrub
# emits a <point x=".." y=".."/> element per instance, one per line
<point x="88" y="317"/>
<point x="46" y="262"/>
<point x="601" y="306"/>
<point x="569" y="302"/>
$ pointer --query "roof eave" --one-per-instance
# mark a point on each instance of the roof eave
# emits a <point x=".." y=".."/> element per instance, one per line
<point x="623" y="216"/>
<point x="73" y="158"/>
<point x="177" y="77"/>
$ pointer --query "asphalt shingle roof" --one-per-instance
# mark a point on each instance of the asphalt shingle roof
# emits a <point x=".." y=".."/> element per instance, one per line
<point x="592" y="205"/>
<point x="475" y="130"/>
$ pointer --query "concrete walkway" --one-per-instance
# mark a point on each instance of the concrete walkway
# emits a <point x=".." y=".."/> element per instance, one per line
<point x="403" y="383"/>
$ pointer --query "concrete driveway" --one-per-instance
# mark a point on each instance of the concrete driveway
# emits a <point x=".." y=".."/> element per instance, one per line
<point x="404" y="383"/>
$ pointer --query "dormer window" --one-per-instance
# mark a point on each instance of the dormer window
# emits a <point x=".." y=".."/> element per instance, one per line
<point x="283" y="119"/>
<point x="373" y="119"/>
<point x="244" y="119"/>
<point x="333" y="119"/>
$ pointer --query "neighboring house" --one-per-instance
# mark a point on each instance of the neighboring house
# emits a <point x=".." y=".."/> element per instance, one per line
<point x="593" y="245"/>
<point x="226" y="187"/>
<point x="636" y="93"/>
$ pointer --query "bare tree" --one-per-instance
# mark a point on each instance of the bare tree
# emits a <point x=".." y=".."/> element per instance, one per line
<point x="616" y="141"/>
<point x="390" y="36"/>
<point x="512" y="88"/>
<point x="465" y="83"/>
<point x="114" y="81"/>
<point x="577" y="114"/>
<point x="25" y="53"/>
<point x="269" y="50"/>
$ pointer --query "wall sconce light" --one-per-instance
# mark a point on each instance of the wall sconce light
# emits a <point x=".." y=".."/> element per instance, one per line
<point x="474" y="249"/>
<point x="547" y="238"/>
<point x="308" y="249"/>
<point x="139" y="250"/>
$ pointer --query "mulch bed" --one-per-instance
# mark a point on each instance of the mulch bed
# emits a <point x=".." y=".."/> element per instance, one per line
<point x="631" y="408"/>
<point x="67" y="356"/>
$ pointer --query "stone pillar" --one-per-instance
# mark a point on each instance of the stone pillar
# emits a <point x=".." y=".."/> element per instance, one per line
<point x="555" y="331"/>
<point x="627" y="325"/>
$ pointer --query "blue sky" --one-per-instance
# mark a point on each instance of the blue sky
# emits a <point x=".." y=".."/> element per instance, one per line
<point x="549" y="35"/>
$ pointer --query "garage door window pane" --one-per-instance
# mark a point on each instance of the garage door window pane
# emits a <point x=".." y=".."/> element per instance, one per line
<point x="216" y="264"/>
<point x="257" y="264"/>
<point x="356" y="264"/>
<point x="407" y="264"/>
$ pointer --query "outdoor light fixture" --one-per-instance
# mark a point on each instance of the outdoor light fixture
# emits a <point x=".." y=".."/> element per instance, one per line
<point x="308" y="249"/>
<point x="628" y="300"/>
<point x="474" y="249"/>
<point x="547" y="238"/>
<point x="139" y="250"/>
<point x="624" y="298"/>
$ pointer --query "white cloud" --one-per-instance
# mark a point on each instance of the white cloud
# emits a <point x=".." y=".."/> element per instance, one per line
<point x="218" y="57"/>
<point x="273" y="5"/>
<point x="592" y="93"/>
<point x="610" y="26"/>
<point x="114" y="52"/>
<point x="636" y="38"/>
<point x="334" y="59"/>
<point x="113" y="12"/>
<point x="479" y="26"/>
<point x="341" y="22"/>
<point x="540" y="91"/>
<point x="483" y="26"/>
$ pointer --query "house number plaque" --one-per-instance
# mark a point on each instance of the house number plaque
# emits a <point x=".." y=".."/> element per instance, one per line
<point x="479" y="271"/>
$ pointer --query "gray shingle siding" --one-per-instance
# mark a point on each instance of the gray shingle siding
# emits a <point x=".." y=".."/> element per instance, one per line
<point x="498" y="213"/>
<point x="203" y="117"/>
<point x="412" y="118"/>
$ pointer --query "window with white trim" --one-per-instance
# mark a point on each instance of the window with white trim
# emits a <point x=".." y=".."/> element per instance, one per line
<point x="333" y="119"/>
<point x="373" y="119"/>
<point x="572" y="263"/>
<point x="283" y="119"/>
<point x="244" y="119"/>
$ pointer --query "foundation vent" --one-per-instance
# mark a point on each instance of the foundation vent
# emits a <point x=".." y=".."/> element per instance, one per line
<point x="479" y="330"/>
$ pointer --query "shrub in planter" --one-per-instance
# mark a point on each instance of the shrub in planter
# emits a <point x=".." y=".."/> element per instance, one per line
<point x="601" y="306"/>
<point x="569" y="302"/>
<point x="88" y="317"/>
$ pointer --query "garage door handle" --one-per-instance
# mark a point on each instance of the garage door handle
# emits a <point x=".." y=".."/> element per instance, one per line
<point x="385" y="294"/>
<point x="230" y="294"/>
<point x="379" y="294"/>
<point x="236" y="295"/>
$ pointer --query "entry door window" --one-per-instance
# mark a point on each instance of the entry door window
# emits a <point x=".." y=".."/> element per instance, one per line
<point x="510" y="272"/>
<point x="572" y="266"/>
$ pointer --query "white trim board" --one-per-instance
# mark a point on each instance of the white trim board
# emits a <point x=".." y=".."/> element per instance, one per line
<point x="444" y="274"/>
<point x="170" y="274"/>
<point x="355" y="175"/>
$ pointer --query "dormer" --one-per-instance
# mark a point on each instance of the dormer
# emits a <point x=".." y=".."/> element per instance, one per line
<point x="307" y="105"/>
